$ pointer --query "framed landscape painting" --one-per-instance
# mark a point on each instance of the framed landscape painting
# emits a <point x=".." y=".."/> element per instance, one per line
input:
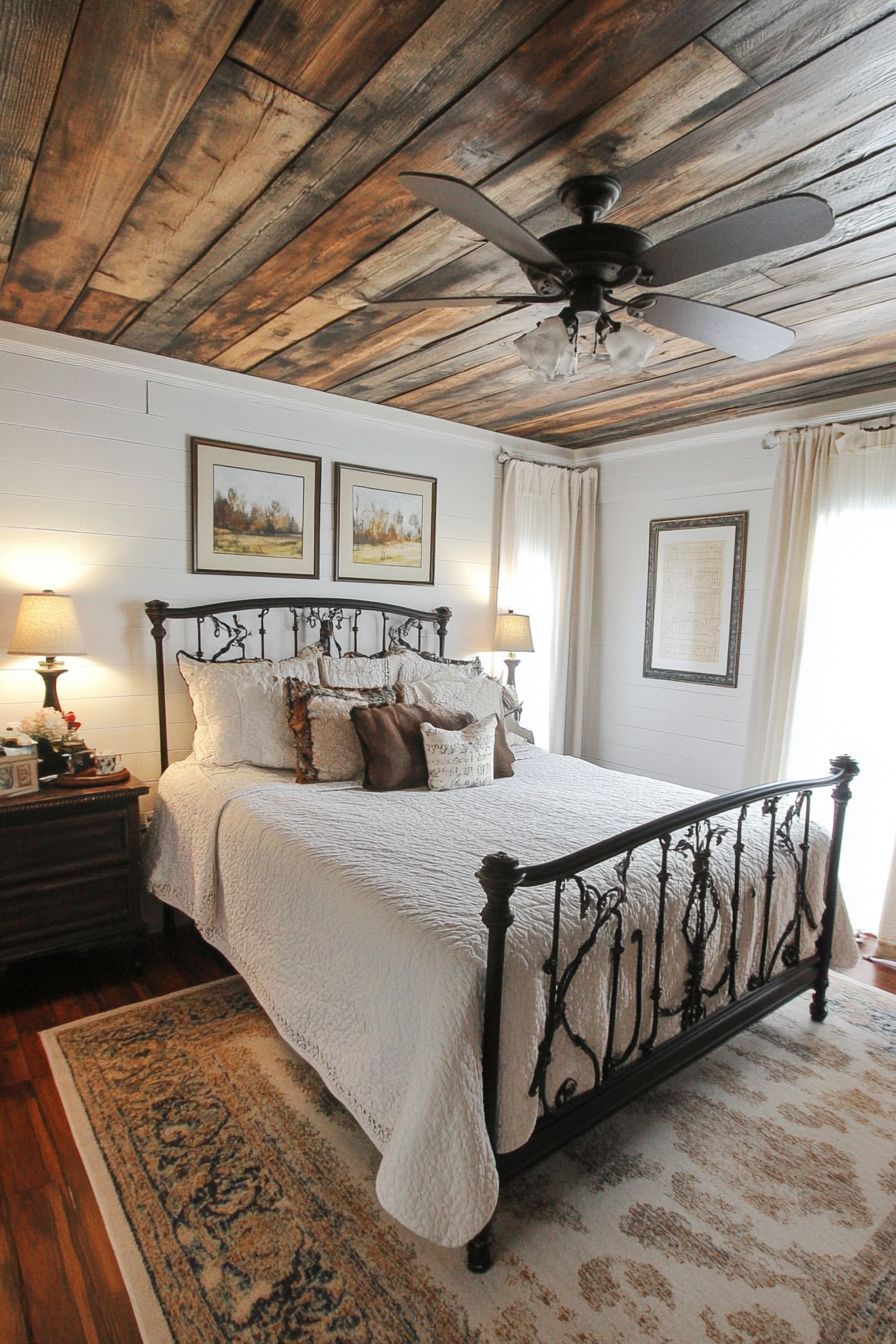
<point x="385" y="526"/>
<point x="695" y="594"/>
<point x="255" y="511"/>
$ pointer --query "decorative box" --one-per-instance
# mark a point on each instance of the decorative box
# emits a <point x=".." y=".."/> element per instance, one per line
<point x="18" y="771"/>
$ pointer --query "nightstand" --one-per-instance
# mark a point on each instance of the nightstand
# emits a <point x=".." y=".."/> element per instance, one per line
<point x="70" y="869"/>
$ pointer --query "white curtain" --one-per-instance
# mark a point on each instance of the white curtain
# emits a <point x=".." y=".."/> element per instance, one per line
<point x="824" y="679"/>
<point x="546" y="572"/>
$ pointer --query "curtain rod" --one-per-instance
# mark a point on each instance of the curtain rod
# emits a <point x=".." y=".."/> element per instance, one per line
<point x="771" y="439"/>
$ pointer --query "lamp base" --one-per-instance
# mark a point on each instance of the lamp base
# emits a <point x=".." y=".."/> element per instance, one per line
<point x="50" y="675"/>
<point x="511" y="664"/>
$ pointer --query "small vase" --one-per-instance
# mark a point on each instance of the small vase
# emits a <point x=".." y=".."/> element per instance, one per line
<point x="49" y="760"/>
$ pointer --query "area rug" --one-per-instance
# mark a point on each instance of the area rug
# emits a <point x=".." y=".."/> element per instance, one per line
<point x="751" y="1200"/>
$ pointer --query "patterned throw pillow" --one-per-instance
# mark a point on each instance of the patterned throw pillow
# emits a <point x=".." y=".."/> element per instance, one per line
<point x="355" y="673"/>
<point x="326" y="743"/>
<point x="412" y="666"/>
<point x="462" y="759"/>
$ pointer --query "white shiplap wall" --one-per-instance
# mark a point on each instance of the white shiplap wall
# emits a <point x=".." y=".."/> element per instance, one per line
<point x="94" y="500"/>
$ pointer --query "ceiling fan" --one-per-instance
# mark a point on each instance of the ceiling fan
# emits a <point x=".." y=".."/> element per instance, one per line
<point x="581" y="265"/>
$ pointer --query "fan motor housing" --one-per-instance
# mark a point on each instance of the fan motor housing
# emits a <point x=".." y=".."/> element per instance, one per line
<point x="603" y="253"/>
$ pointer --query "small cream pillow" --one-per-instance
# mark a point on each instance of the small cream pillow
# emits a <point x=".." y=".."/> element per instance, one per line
<point x="463" y="759"/>
<point x="357" y="674"/>
<point x="411" y="666"/>
<point x="480" y="696"/>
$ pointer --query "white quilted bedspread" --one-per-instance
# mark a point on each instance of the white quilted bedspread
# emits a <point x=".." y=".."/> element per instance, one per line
<point x="354" y="917"/>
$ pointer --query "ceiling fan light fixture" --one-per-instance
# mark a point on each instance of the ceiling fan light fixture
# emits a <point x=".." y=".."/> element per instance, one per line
<point x="629" y="348"/>
<point x="548" y="351"/>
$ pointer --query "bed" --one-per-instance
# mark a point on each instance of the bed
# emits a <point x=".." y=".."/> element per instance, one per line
<point x="629" y="926"/>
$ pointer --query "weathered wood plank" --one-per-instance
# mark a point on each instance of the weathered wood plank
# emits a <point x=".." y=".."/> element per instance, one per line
<point x="301" y="320"/>
<point x="100" y="316"/>
<point x="34" y="37"/>
<point x="111" y="121"/>
<point x="767" y="38"/>
<point x="330" y="358"/>
<point x="239" y="135"/>
<point x="326" y="52"/>
<point x="449" y="52"/>
<point x="774" y="123"/>
<point x="836" y="277"/>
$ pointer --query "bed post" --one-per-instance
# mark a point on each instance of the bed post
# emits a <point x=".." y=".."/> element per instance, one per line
<point x="498" y="878"/>
<point x="157" y="612"/>
<point x="841" y="795"/>
<point x="444" y="615"/>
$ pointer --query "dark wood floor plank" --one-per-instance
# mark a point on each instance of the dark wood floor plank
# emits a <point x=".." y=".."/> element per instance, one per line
<point x="326" y="52"/>
<point x="768" y="39"/>
<point x="112" y="120"/>
<point x="453" y="49"/>
<point x="52" y="1282"/>
<point x="34" y="37"/>
<point x="13" y="1065"/>
<point x="241" y="132"/>
<point x="13" y="1329"/>
<point x="22" y="1165"/>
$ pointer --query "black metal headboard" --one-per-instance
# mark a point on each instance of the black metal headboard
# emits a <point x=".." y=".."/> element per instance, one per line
<point x="325" y="615"/>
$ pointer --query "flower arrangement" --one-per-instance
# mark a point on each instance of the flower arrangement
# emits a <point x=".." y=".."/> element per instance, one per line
<point x="47" y="725"/>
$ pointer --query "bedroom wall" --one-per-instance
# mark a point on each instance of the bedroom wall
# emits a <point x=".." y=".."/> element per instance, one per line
<point x="94" y="469"/>
<point x="685" y="733"/>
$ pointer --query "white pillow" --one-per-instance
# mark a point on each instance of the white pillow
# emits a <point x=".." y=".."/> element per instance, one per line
<point x="357" y="674"/>
<point x="481" y="696"/>
<point x="410" y="667"/>
<point x="240" y="710"/>
<point x="460" y="760"/>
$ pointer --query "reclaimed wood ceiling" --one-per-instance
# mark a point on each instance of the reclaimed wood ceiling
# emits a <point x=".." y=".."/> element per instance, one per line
<point x="217" y="180"/>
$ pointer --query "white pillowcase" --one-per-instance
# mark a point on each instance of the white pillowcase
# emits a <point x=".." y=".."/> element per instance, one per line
<point x="481" y="696"/>
<point x="410" y="667"/>
<point x="462" y="759"/>
<point x="357" y="674"/>
<point x="240" y="710"/>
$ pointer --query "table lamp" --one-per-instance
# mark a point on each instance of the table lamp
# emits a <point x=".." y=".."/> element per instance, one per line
<point x="47" y="620"/>
<point x="512" y="632"/>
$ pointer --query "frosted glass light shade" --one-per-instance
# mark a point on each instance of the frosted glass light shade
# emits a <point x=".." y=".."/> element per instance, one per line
<point x="512" y="632"/>
<point x="629" y="348"/>
<point x="548" y="351"/>
<point x="47" y="624"/>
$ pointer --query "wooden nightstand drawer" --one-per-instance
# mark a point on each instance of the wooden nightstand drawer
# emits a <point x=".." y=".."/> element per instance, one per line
<point x="70" y="869"/>
<point x="66" y="844"/>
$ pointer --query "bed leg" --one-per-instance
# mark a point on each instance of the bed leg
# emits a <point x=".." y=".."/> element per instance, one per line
<point x="479" y="1250"/>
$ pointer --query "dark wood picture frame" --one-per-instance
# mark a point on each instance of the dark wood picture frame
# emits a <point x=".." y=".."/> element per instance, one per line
<point x="695" y="595"/>
<point x="266" y="557"/>
<point x="392" y="560"/>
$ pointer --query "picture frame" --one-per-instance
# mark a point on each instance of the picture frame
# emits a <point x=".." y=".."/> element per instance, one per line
<point x="695" y="594"/>
<point x="255" y="510"/>
<point x="385" y="525"/>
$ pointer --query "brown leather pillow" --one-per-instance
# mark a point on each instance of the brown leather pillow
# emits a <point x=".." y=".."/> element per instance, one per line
<point x="392" y="744"/>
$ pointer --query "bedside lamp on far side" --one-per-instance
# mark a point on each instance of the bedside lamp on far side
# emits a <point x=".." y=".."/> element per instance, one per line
<point x="48" y="620"/>
<point x="512" y="632"/>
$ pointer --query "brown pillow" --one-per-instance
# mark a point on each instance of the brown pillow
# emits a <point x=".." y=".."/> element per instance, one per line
<point x="392" y="744"/>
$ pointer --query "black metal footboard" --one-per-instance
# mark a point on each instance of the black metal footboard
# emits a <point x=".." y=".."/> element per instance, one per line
<point x="728" y="883"/>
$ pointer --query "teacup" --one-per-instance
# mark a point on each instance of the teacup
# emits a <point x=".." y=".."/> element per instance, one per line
<point x="107" y="763"/>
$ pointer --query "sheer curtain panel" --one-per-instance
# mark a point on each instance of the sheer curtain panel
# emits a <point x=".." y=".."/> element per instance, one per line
<point x="824" y="680"/>
<point x="546" y="570"/>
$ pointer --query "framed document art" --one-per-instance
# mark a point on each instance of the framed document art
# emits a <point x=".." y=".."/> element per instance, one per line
<point x="695" y="593"/>
<point x="255" y="511"/>
<point x="385" y="525"/>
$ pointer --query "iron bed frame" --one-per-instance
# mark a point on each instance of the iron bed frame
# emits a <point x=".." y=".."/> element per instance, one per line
<point x="795" y="961"/>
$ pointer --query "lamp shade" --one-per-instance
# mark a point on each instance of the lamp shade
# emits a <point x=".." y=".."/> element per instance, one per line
<point x="629" y="348"/>
<point x="47" y="624"/>
<point x="512" y="633"/>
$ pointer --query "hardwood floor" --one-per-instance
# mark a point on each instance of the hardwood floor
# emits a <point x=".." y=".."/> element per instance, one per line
<point x="59" y="1281"/>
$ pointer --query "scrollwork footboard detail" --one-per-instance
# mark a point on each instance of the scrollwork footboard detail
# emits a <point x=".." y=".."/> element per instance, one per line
<point x="731" y="935"/>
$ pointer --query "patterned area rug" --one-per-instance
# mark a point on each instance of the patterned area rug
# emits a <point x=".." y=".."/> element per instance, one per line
<point x="751" y="1200"/>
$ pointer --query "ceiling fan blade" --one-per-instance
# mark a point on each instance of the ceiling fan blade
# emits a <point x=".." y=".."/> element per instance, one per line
<point x="467" y="300"/>
<point x="470" y="207"/>
<point x="787" y="222"/>
<point x="734" y="333"/>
